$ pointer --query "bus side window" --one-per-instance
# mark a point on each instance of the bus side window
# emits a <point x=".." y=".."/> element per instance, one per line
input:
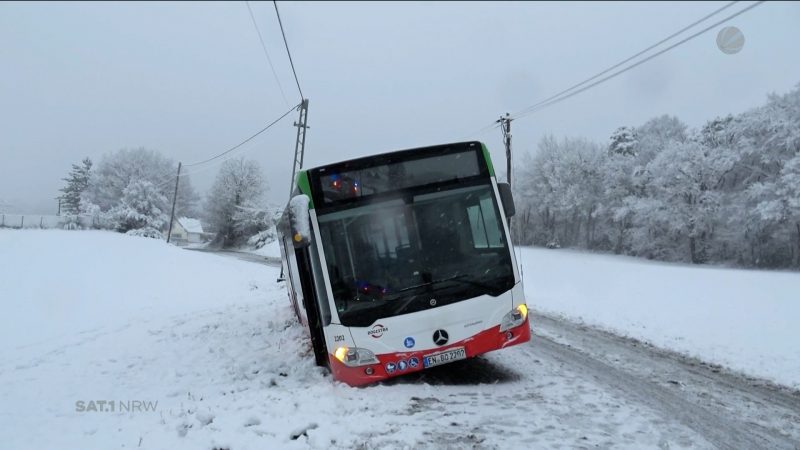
<point x="484" y="224"/>
<point x="476" y="223"/>
<point x="494" y="236"/>
<point x="293" y="276"/>
<point x="319" y="285"/>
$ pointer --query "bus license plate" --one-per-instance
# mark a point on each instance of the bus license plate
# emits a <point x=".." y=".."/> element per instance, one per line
<point x="444" y="357"/>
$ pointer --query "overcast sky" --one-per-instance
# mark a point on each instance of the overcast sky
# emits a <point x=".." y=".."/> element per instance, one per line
<point x="190" y="79"/>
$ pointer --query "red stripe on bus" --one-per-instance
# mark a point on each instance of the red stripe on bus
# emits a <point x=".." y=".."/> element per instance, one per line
<point x="478" y="344"/>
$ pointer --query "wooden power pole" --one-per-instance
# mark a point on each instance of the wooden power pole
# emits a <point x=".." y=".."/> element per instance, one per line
<point x="300" y="143"/>
<point x="505" y="126"/>
<point x="174" y="200"/>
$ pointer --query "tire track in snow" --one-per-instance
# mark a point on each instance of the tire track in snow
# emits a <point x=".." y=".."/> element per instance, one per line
<point x="720" y="428"/>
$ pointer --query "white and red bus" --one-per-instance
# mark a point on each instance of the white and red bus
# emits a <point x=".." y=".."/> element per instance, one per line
<point x="402" y="261"/>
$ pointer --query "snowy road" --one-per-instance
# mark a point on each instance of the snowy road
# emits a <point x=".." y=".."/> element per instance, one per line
<point x="576" y="387"/>
<point x="244" y="256"/>
<point x="724" y="409"/>
<point x="590" y="380"/>
<point x="213" y="341"/>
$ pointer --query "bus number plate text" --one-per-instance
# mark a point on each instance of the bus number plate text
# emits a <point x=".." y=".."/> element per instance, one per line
<point x="445" y="357"/>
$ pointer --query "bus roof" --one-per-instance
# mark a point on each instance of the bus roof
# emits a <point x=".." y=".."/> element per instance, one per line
<point x="304" y="176"/>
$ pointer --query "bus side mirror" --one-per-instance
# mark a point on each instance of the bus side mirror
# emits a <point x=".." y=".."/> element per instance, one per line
<point x="300" y="221"/>
<point x="507" y="199"/>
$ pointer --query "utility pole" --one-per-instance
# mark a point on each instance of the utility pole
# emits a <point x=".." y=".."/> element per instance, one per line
<point x="174" y="200"/>
<point x="505" y="126"/>
<point x="300" y="143"/>
<point x="299" y="152"/>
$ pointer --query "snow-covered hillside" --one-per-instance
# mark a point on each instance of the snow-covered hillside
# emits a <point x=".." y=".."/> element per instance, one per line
<point x="98" y="316"/>
<point x="744" y="319"/>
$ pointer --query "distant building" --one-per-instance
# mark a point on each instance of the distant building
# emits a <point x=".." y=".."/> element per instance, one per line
<point x="188" y="231"/>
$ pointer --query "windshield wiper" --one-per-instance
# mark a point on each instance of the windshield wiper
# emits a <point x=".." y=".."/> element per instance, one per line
<point x="404" y="303"/>
<point x="461" y="278"/>
<point x="429" y="283"/>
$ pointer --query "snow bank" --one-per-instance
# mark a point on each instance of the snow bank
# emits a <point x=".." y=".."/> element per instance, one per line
<point x="270" y="250"/>
<point x="100" y="316"/>
<point x="744" y="319"/>
<point x="90" y="316"/>
<point x="56" y="283"/>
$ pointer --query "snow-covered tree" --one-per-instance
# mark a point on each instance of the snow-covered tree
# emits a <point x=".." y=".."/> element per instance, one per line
<point x="777" y="203"/>
<point x="238" y="188"/>
<point x="117" y="171"/>
<point x="728" y="191"/>
<point x="718" y="132"/>
<point x="142" y="207"/>
<point x="623" y="142"/>
<point x="561" y="187"/>
<point x="620" y="191"/>
<point x="656" y="134"/>
<point x="77" y="183"/>
<point x="685" y="204"/>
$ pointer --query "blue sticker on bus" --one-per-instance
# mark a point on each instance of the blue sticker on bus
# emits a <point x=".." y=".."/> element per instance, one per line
<point x="413" y="362"/>
<point x="409" y="342"/>
<point x="402" y="365"/>
<point x="390" y="367"/>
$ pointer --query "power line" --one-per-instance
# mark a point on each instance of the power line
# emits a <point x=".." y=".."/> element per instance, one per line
<point x="692" y="25"/>
<point x="274" y="2"/>
<point x="531" y="108"/>
<point x="266" y="53"/>
<point x="203" y="169"/>
<point x="542" y="105"/>
<point x="479" y="132"/>
<point x="257" y="133"/>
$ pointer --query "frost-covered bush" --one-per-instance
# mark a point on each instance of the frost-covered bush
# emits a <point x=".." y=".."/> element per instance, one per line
<point x="70" y="222"/>
<point x="141" y="207"/>
<point x="146" y="232"/>
<point x="263" y="237"/>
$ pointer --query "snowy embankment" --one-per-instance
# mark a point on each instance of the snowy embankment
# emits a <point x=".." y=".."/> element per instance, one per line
<point x="96" y="316"/>
<point x="55" y="283"/>
<point x="744" y="319"/>
<point x="269" y="250"/>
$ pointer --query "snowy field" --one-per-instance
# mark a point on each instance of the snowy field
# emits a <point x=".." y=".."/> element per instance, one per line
<point x="743" y="319"/>
<point x="97" y="316"/>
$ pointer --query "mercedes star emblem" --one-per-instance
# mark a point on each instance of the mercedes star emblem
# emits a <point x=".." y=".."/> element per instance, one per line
<point x="440" y="337"/>
<point x="433" y="302"/>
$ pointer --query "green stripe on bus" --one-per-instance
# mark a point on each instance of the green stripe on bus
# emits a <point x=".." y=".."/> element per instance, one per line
<point x="305" y="186"/>
<point x="487" y="158"/>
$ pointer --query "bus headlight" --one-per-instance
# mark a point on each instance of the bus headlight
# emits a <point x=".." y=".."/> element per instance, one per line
<point x="514" y="318"/>
<point x="354" y="357"/>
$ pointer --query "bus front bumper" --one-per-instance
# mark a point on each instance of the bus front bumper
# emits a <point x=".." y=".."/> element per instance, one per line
<point x="390" y="363"/>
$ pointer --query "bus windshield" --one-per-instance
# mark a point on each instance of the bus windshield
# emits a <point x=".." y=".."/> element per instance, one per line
<point x="417" y="252"/>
